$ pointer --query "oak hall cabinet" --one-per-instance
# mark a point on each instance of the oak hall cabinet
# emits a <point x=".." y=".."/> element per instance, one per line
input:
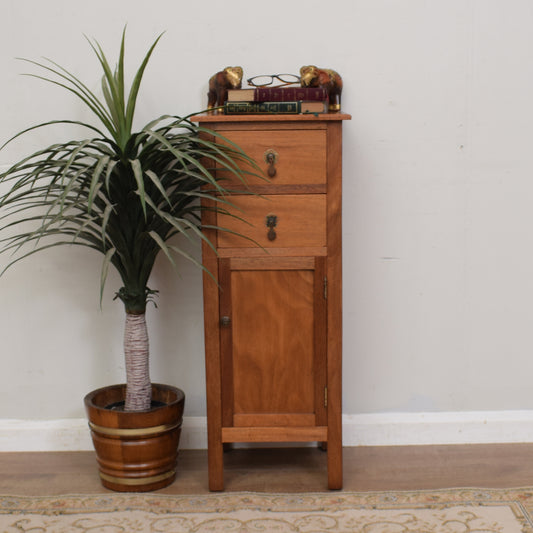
<point x="273" y="324"/>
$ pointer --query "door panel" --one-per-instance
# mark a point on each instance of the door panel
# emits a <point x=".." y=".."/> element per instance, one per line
<point x="273" y="355"/>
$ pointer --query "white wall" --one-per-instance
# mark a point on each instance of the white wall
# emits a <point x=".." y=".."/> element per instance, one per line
<point x="438" y="189"/>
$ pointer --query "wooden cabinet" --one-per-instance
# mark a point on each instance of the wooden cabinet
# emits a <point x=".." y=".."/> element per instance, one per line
<point x="273" y="324"/>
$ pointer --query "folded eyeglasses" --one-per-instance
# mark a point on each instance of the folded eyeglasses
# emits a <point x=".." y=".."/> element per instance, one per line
<point x="266" y="80"/>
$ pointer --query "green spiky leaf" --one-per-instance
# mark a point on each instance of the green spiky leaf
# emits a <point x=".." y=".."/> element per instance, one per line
<point x="128" y="195"/>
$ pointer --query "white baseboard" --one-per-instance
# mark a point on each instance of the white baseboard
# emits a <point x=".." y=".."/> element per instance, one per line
<point x="72" y="434"/>
<point x="382" y="429"/>
<point x="469" y="427"/>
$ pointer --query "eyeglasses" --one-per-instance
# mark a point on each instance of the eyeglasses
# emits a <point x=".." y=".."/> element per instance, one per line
<point x="264" y="81"/>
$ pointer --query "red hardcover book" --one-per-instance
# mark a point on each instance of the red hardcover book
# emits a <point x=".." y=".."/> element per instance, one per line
<point x="277" y="94"/>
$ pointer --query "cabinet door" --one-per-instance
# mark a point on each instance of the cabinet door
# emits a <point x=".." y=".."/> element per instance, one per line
<point x="273" y="341"/>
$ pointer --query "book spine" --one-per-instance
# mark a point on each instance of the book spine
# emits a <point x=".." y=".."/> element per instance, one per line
<point x="262" y="108"/>
<point x="278" y="94"/>
<point x="287" y="94"/>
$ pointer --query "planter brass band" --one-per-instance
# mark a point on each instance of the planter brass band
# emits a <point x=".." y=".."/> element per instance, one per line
<point x="136" y="482"/>
<point x="135" y="432"/>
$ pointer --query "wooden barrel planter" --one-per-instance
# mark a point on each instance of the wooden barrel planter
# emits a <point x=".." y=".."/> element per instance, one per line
<point x="136" y="451"/>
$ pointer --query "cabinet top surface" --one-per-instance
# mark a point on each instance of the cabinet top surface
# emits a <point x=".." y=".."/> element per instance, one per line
<point x="271" y="118"/>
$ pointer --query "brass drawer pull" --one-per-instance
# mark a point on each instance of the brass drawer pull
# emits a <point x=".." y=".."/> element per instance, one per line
<point x="271" y="223"/>
<point x="271" y="158"/>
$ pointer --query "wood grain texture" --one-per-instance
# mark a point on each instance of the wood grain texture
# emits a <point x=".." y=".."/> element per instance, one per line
<point x="312" y="251"/>
<point x="300" y="221"/>
<point x="275" y="434"/>
<point x="320" y="330"/>
<point x="273" y="349"/>
<point x="212" y="349"/>
<point x="226" y="342"/>
<point x="278" y="120"/>
<point x="263" y="263"/>
<point x="299" y="155"/>
<point x="274" y="420"/>
<point x="379" y="468"/>
<point x="136" y="451"/>
<point x="280" y="365"/>
<point x="334" y="313"/>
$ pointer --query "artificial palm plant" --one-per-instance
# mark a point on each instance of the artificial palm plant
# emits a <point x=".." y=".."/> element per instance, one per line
<point x="122" y="193"/>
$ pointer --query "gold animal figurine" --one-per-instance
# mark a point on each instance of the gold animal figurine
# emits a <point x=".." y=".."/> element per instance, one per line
<point x="219" y="83"/>
<point x="312" y="76"/>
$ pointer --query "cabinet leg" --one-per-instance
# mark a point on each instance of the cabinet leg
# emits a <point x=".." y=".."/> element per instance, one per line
<point x="334" y="466"/>
<point x="215" y="459"/>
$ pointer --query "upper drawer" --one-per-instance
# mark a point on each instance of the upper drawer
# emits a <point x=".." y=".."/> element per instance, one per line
<point x="299" y="155"/>
<point x="275" y="221"/>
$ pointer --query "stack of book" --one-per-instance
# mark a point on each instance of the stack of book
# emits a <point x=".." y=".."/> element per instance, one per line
<point x="276" y="100"/>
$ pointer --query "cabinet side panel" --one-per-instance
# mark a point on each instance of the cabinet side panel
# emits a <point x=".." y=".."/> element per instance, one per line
<point x="212" y="357"/>
<point x="334" y="273"/>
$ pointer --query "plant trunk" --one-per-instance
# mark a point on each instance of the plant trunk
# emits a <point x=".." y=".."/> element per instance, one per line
<point x="136" y="351"/>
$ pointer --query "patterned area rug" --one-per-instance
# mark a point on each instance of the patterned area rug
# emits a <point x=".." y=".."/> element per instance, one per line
<point x="445" y="511"/>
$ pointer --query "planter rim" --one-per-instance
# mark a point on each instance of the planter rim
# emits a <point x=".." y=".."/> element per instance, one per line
<point x="90" y="397"/>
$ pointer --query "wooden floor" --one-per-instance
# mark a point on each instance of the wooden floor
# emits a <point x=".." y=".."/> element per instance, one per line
<point x="290" y="469"/>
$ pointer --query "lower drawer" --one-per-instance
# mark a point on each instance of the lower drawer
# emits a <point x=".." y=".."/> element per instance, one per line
<point x="276" y="221"/>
